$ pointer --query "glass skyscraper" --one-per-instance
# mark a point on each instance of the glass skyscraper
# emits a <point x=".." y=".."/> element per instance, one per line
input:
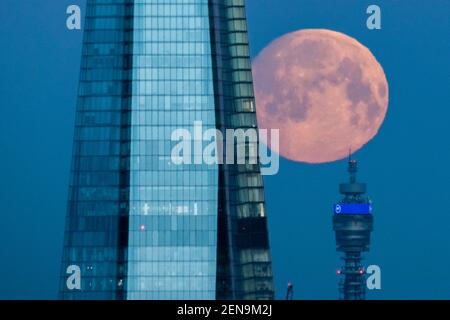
<point x="139" y="226"/>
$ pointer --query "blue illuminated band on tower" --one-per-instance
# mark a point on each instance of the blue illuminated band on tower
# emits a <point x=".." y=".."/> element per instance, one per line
<point x="353" y="208"/>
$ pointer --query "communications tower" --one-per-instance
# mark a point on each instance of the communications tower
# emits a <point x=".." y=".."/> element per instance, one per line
<point x="352" y="224"/>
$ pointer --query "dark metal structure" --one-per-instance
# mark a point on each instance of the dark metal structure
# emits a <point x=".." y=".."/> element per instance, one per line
<point x="353" y="224"/>
<point x="290" y="291"/>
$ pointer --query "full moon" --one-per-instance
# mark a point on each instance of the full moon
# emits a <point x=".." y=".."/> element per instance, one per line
<point x="323" y="90"/>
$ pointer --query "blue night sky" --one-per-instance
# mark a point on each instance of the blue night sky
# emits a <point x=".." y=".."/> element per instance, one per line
<point x="406" y="165"/>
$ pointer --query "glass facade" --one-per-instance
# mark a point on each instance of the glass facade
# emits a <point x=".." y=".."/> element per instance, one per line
<point x="138" y="225"/>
